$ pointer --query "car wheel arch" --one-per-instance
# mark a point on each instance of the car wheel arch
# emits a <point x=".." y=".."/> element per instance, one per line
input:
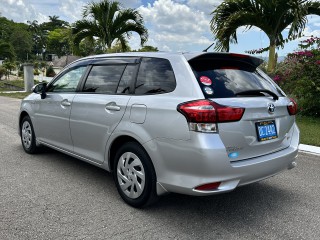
<point x="114" y="146"/>
<point x="22" y="115"/>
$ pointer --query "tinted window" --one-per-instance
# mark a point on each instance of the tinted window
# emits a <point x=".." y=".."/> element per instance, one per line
<point x="127" y="77"/>
<point x="224" y="80"/>
<point x="68" y="82"/>
<point x="155" y="76"/>
<point x="104" y="79"/>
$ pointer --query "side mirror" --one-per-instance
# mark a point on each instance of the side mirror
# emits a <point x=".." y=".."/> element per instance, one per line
<point x="40" y="89"/>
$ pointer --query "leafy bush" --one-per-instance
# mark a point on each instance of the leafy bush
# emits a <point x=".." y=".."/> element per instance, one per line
<point x="2" y="72"/>
<point x="50" y="72"/>
<point x="299" y="76"/>
<point x="36" y="72"/>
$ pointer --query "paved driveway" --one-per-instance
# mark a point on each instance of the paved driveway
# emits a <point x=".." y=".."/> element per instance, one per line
<point x="54" y="196"/>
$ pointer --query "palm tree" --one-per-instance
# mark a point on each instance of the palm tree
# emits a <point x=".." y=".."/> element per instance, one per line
<point x="108" y="21"/>
<point x="271" y="16"/>
<point x="39" y="36"/>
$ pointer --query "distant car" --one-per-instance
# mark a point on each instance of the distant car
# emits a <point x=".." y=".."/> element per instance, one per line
<point x="190" y="123"/>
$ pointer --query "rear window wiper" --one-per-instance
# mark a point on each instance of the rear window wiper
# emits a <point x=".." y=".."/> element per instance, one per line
<point x="258" y="92"/>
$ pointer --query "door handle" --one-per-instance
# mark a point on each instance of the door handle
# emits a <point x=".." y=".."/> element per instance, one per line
<point x="112" y="106"/>
<point x="65" y="103"/>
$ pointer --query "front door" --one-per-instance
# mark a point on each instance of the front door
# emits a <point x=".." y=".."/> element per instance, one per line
<point x="52" y="113"/>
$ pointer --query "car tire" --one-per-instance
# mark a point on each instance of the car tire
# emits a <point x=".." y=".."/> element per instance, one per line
<point x="134" y="175"/>
<point x="28" y="137"/>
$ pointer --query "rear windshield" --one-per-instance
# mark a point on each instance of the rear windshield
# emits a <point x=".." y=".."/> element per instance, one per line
<point x="224" y="79"/>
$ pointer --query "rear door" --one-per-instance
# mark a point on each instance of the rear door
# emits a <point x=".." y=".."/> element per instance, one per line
<point x="233" y="80"/>
<point x="98" y="109"/>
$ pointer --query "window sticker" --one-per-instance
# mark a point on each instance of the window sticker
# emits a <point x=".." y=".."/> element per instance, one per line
<point x="208" y="90"/>
<point x="205" y="80"/>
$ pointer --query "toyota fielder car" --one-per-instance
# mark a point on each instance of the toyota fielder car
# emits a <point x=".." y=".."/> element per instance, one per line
<point x="189" y="123"/>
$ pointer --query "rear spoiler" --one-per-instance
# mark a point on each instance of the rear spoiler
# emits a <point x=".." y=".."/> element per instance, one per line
<point x="202" y="56"/>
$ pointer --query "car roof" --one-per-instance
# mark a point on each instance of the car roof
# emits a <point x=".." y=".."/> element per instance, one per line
<point x="187" y="55"/>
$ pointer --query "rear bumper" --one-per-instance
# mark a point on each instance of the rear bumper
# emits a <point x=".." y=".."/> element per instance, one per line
<point x="183" y="165"/>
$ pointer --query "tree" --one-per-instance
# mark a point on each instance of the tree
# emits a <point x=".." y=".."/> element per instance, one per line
<point x="6" y="51"/>
<point x="6" y="27"/>
<point x="8" y="66"/>
<point x="2" y="72"/>
<point x="271" y="16"/>
<point x="39" y="37"/>
<point x="117" y="48"/>
<point x="148" y="49"/>
<point x="109" y="22"/>
<point x="58" y="41"/>
<point x="54" y="23"/>
<point x="22" y="42"/>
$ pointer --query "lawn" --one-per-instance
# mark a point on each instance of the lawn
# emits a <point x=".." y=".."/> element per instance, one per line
<point x="19" y="95"/>
<point x="13" y="85"/>
<point x="309" y="130"/>
<point x="6" y="85"/>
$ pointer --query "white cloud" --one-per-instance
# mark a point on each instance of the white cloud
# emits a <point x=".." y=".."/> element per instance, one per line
<point x="72" y="8"/>
<point x="175" y="26"/>
<point x="314" y="20"/>
<point x="308" y="32"/>
<point x="20" y="11"/>
<point x="131" y="3"/>
<point x="206" y="6"/>
<point x="244" y="29"/>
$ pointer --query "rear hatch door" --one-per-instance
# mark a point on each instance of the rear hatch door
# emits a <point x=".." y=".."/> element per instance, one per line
<point x="234" y="80"/>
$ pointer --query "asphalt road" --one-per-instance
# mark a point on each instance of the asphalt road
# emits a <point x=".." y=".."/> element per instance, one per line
<point x="54" y="196"/>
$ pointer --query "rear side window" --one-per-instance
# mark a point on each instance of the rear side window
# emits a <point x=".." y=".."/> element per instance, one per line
<point x="224" y="79"/>
<point x="105" y="79"/>
<point x="155" y="76"/>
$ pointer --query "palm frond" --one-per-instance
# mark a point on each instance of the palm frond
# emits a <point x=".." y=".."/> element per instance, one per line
<point x="271" y="16"/>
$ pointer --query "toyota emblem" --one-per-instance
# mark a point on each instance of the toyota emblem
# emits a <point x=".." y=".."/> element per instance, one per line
<point x="271" y="108"/>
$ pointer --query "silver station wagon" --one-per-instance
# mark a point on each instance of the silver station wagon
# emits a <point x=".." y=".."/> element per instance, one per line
<point x="189" y="123"/>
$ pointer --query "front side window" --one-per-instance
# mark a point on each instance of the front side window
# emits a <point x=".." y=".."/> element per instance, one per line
<point x="104" y="79"/>
<point x="155" y="76"/>
<point x="68" y="82"/>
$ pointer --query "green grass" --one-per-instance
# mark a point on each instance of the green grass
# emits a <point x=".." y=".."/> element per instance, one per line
<point x="309" y="130"/>
<point x="19" y="95"/>
<point x="17" y="83"/>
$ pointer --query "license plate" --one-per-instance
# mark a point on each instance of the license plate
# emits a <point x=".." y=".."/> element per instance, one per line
<point x="266" y="130"/>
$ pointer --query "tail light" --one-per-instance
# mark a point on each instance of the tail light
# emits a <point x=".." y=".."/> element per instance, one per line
<point x="292" y="107"/>
<point x="203" y="115"/>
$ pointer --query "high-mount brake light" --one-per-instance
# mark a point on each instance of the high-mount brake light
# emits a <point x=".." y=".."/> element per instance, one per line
<point x="203" y="115"/>
<point x="239" y="55"/>
<point x="292" y="107"/>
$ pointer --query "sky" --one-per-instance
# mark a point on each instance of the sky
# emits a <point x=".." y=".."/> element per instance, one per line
<point x="173" y="25"/>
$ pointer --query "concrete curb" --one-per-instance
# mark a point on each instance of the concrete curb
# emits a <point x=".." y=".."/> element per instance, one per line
<point x="309" y="149"/>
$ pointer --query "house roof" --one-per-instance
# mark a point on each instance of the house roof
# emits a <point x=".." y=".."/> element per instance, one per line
<point x="64" y="60"/>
